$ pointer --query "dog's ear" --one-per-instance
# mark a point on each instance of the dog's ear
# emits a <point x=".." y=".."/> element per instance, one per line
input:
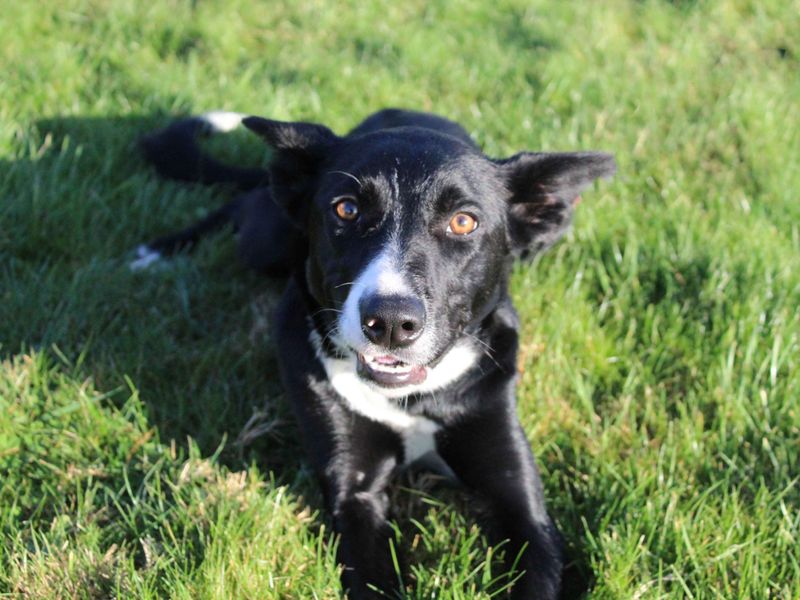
<point x="545" y="188"/>
<point x="300" y="149"/>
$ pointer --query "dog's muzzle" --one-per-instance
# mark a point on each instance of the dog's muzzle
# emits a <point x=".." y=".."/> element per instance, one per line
<point x="391" y="323"/>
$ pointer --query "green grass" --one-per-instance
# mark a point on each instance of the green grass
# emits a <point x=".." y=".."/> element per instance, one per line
<point x="146" y="450"/>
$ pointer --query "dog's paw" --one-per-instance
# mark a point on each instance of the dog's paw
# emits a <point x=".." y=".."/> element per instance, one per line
<point x="145" y="258"/>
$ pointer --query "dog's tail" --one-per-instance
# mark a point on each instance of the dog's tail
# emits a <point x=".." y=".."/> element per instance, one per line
<point x="175" y="153"/>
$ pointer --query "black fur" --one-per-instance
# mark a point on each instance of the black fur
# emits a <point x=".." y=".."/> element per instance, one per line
<point x="407" y="173"/>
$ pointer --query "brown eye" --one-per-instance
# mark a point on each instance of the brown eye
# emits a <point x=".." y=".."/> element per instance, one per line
<point x="346" y="209"/>
<point x="462" y="224"/>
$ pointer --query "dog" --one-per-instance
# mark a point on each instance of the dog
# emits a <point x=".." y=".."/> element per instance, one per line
<point x="397" y="338"/>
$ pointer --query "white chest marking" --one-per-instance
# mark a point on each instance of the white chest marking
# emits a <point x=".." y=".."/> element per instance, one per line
<point x="417" y="432"/>
<point x="383" y="406"/>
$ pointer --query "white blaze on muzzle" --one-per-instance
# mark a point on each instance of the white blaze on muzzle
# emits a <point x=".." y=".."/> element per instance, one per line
<point x="381" y="277"/>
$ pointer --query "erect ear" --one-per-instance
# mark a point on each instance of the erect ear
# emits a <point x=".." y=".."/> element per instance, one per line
<point x="545" y="187"/>
<point x="300" y="149"/>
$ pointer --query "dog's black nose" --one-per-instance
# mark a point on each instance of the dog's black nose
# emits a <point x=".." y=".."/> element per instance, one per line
<point x="392" y="321"/>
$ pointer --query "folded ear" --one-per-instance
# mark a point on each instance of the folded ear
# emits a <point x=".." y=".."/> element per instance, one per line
<point x="300" y="149"/>
<point x="545" y="187"/>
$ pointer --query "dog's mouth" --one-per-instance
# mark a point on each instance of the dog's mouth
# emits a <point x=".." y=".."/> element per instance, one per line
<point x="389" y="371"/>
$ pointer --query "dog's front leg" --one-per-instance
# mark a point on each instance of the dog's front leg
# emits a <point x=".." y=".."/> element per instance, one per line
<point x="353" y="457"/>
<point x="360" y="511"/>
<point x="355" y="480"/>
<point x="490" y="454"/>
<point x="354" y="461"/>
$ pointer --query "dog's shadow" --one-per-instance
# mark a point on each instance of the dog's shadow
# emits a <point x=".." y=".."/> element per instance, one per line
<point x="193" y="335"/>
<point x="78" y="202"/>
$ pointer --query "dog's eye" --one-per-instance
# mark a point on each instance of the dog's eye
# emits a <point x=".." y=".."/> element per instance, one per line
<point x="346" y="209"/>
<point x="462" y="224"/>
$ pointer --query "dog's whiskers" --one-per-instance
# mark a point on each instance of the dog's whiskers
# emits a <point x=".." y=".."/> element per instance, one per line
<point x="351" y="176"/>
<point x="322" y="310"/>
<point x="333" y="336"/>
<point x="485" y="348"/>
<point x="435" y="399"/>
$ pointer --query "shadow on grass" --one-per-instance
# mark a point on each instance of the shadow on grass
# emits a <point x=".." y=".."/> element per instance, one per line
<point x="183" y="332"/>
<point x="192" y="336"/>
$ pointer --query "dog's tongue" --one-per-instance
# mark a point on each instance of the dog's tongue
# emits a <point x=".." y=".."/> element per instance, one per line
<point x="388" y="371"/>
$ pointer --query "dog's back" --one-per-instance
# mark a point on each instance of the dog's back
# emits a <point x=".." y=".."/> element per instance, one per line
<point x="390" y="118"/>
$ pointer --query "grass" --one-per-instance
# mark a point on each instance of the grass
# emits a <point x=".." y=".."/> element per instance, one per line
<point x="145" y="447"/>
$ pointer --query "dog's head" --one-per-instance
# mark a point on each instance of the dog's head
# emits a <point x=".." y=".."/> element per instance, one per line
<point x="412" y="232"/>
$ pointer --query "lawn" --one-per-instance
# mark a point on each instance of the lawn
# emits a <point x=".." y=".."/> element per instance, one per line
<point x="146" y="450"/>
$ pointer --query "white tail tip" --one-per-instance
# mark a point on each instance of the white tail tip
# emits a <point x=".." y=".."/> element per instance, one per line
<point x="222" y="121"/>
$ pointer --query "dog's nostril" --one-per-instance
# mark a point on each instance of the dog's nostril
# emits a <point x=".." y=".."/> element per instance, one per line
<point x="406" y="330"/>
<point x="392" y="321"/>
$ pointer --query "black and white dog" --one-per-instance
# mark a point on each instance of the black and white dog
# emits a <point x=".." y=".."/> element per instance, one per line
<point x="397" y="337"/>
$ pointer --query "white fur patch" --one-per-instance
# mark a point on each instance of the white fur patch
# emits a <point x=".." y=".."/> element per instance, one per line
<point x="457" y="361"/>
<point x="383" y="405"/>
<point x="145" y="258"/>
<point x="420" y="439"/>
<point x="382" y="278"/>
<point x="417" y="432"/>
<point x="222" y="121"/>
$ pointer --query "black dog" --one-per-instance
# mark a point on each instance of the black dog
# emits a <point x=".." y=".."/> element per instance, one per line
<point x="397" y="338"/>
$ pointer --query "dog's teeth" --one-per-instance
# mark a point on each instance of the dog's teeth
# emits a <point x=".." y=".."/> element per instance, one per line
<point x="393" y="368"/>
<point x="384" y="365"/>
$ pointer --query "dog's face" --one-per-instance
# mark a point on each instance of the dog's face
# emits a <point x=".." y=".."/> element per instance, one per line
<point x="411" y="234"/>
<point x="407" y="238"/>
